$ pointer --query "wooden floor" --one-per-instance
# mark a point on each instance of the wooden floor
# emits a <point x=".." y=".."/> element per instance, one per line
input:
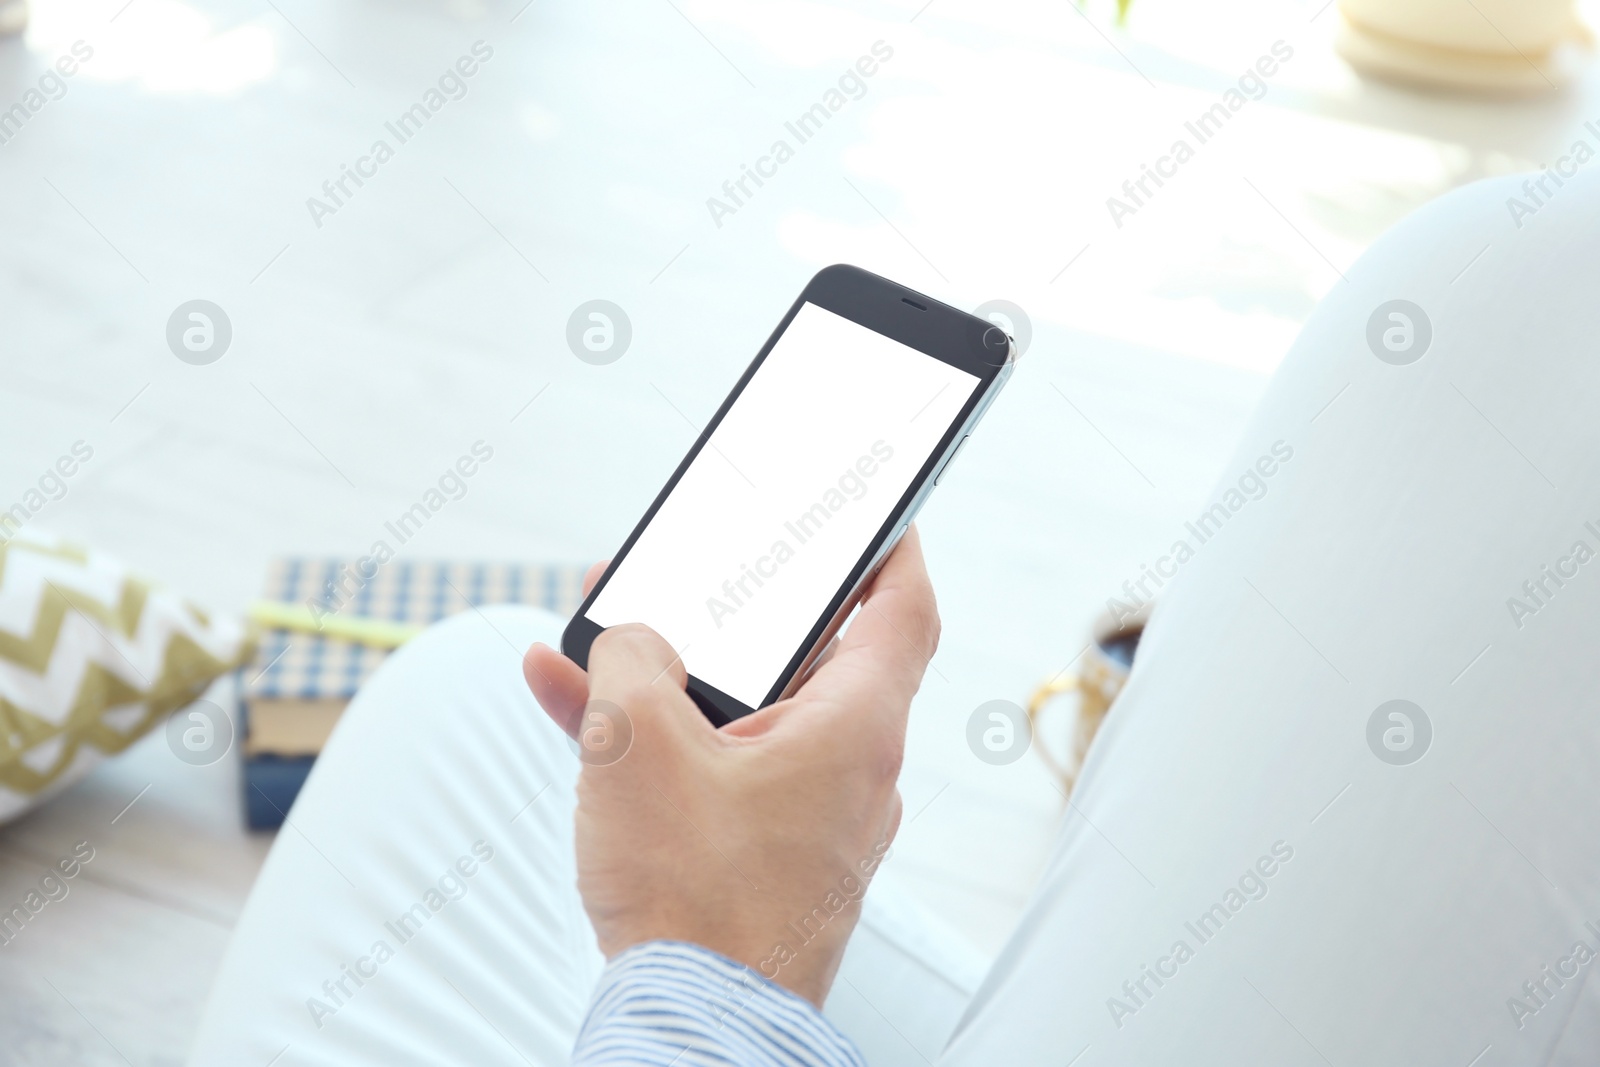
<point x="374" y="345"/>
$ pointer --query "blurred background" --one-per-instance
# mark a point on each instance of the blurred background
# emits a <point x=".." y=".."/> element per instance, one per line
<point x="376" y="333"/>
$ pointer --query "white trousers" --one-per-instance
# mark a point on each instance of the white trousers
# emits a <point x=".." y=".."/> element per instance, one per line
<point x="1266" y="862"/>
<point x="445" y="758"/>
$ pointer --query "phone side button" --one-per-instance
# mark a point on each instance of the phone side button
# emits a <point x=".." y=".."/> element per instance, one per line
<point x="888" y="550"/>
<point x="937" y="478"/>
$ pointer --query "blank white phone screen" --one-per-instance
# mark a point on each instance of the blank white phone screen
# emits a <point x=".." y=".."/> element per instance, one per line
<point x="743" y="556"/>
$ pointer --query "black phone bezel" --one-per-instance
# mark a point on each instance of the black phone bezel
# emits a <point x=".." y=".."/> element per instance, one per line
<point x="936" y="329"/>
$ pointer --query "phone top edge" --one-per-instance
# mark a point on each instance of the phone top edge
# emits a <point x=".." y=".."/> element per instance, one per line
<point x="913" y="318"/>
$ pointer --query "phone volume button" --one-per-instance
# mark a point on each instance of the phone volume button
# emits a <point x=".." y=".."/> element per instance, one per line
<point x="888" y="549"/>
<point x="937" y="478"/>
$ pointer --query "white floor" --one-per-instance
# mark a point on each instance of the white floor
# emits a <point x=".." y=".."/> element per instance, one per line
<point x="429" y="311"/>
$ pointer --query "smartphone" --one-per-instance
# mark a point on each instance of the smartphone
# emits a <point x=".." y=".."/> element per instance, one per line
<point x="761" y="543"/>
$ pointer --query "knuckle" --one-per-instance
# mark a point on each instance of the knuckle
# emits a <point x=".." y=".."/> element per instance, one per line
<point x="925" y="625"/>
<point x="933" y="627"/>
<point x="888" y="753"/>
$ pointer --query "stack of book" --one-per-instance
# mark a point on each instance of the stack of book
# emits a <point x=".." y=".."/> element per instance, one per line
<point x="326" y="624"/>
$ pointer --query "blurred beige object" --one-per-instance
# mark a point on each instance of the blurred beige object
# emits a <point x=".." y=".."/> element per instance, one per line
<point x="1103" y="671"/>
<point x="13" y="17"/>
<point x="1506" y="46"/>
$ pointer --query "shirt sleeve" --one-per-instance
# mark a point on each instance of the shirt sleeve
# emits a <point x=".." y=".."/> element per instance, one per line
<point x="667" y="1003"/>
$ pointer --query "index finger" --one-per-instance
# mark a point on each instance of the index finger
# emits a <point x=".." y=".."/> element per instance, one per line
<point x="883" y="655"/>
<point x="593" y="575"/>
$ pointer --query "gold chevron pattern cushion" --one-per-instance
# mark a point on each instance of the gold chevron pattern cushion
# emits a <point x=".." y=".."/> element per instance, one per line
<point x="91" y="658"/>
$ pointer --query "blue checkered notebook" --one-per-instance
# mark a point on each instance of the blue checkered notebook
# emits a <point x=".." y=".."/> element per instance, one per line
<point x="291" y="696"/>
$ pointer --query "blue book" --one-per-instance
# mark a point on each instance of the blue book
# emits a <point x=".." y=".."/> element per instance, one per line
<point x="292" y="694"/>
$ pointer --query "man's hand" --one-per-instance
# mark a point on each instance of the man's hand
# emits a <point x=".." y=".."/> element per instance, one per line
<point x="756" y="840"/>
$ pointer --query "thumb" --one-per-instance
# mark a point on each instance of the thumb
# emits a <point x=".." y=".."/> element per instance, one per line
<point x="635" y="672"/>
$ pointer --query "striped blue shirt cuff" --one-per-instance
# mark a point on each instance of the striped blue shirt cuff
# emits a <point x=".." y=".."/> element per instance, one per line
<point x="667" y="1003"/>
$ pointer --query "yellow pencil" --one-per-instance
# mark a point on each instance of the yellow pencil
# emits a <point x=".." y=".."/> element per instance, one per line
<point x="357" y="629"/>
